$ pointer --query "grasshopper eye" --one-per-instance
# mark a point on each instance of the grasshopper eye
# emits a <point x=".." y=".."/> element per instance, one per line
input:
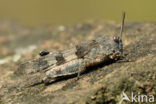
<point x="116" y="39"/>
<point x="43" y="53"/>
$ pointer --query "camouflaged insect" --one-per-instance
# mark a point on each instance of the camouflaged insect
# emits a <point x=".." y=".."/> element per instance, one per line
<point x="75" y="60"/>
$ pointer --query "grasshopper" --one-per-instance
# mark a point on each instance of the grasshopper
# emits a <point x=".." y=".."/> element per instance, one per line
<point x="76" y="59"/>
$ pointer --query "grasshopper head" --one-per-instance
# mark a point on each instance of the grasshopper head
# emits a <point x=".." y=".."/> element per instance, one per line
<point x="116" y="49"/>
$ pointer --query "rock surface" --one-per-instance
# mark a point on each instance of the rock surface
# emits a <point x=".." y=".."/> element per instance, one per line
<point x="100" y="85"/>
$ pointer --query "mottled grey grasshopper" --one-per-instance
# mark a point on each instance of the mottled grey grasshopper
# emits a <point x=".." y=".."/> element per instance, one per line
<point x="76" y="59"/>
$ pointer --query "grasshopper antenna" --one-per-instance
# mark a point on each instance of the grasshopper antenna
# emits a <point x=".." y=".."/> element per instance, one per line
<point x="122" y="25"/>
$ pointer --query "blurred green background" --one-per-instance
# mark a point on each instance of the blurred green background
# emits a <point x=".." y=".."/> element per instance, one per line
<point x="41" y="12"/>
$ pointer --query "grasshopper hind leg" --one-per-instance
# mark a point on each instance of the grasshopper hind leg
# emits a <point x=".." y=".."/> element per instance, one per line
<point x="81" y="69"/>
<point x="75" y="67"/>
